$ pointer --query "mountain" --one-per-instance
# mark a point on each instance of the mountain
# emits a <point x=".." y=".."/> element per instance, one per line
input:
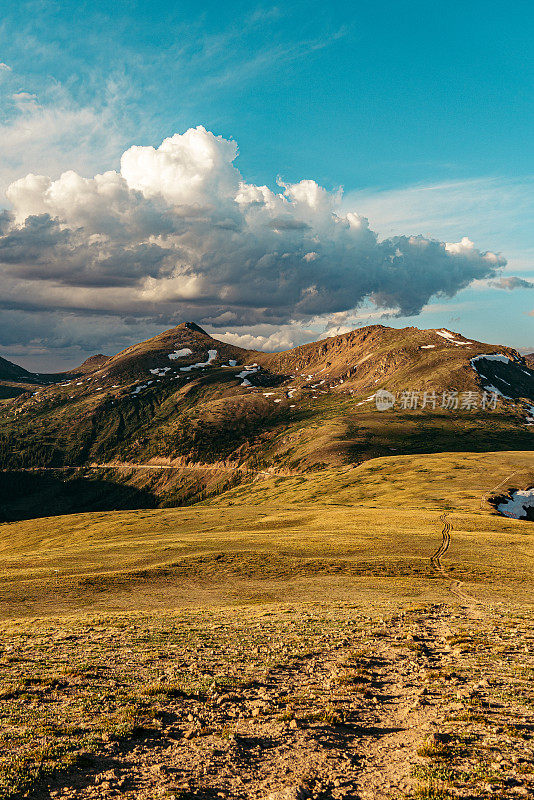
<point x="181" y="346"/>
<point x="15" y="380"/>
<point x="215" y="413"/>
<point x="402" y="359"/>
<point x="89" y="365"/>
<point x="12" y="372"/>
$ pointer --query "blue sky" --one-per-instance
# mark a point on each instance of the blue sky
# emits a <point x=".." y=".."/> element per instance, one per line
<point x="422" y="112"/>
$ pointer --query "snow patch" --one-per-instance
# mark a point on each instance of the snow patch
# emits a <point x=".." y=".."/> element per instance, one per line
<point x="180" y="353"/>
<point x="517" y="505"/>
<point x="141" y="387"/>
<point x="445" y="334"/>
<point x="492" y="357"/>
<point x="212" y="355"/>
<point x="248" y="370"/>
<point x="496" y="391"/>
<point x="426" y="346"/>
<point x="161" y="371"/>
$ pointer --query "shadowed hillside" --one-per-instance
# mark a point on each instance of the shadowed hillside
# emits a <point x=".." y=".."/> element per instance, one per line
<point x="25" y="495"/>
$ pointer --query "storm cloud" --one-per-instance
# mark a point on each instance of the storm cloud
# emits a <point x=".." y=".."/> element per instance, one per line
<point x="179" y="234"/>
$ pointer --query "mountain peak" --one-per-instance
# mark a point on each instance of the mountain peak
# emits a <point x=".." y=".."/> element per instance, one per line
<point x="192" y="326"/>
<point x="91" y="364"/>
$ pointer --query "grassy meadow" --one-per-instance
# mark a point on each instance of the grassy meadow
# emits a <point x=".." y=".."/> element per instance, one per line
<point x="334" y="533"/>
<point x="287" y="639"/>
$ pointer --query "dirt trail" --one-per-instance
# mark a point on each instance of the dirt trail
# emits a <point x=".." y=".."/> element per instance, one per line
<point x="406" y="712"/>
<point x="348" y="718"/>
<point x="456" y="586"/>
<point x="176" y="465"/>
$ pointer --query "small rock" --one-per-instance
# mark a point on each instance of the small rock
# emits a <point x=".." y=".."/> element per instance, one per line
<point x="293" y="724"/>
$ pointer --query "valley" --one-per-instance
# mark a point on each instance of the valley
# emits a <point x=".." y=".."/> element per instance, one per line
<point x="205" y="593"/>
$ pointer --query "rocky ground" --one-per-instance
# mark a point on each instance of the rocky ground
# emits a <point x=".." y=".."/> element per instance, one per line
<point x="272" y="702"/>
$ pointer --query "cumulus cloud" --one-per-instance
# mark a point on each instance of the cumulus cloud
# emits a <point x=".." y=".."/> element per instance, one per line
<point x="269" y="338"/>
<point x="512" y="282"/>
<point x="179" y="233"/>
<point x="337" y="330"/>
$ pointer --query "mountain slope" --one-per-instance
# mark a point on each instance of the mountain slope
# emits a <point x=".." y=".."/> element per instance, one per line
<point x="89" y="365"/>
<point x="12" y="372"/>
<point x="185" y="395"/>
<point x="181" y="346"/>
<point x="402" y="359"/>
<point x="16" y="381"/>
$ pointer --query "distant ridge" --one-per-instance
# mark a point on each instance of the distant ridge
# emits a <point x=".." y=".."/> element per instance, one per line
<point x="90" y="364"/>
<point x="12" y="372"/>
<point x="184" y="395"/>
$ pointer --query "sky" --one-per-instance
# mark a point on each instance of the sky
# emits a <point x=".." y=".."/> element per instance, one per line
<point x="276" y="173"/>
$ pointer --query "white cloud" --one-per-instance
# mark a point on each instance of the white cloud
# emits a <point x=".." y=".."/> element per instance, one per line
<point x="4" y="67"/>
<point x="178" y="233"/>
<point x="267" y="338"/>
<point x="336" y="331"/>
<point x="44" y="137"/>
<point x="194" y="168"/>
<point x="495" y="210"/>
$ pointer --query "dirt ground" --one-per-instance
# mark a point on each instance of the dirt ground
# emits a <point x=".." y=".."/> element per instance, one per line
<point x="434" y="701"/>
<point x="373" y="684"/>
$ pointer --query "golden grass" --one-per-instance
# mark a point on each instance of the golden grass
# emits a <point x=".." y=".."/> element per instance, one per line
<point x="335" y="534"/>
<point x="455" y="481"/>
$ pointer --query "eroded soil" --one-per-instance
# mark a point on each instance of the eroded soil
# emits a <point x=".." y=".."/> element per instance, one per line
<point x="273" y="703"/>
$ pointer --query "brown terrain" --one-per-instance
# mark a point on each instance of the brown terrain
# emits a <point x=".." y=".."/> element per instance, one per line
<point x="229" y="576"/>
